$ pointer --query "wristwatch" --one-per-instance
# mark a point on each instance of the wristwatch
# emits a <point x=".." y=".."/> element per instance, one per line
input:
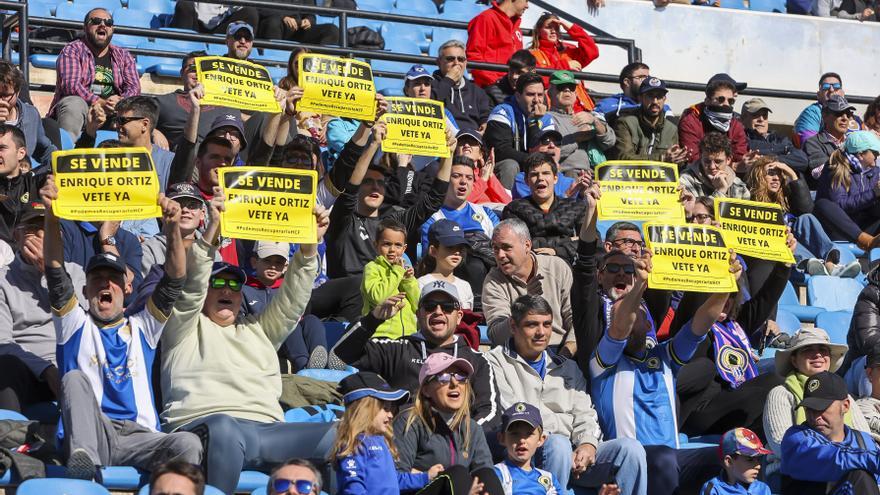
<point x="108" y="241"/>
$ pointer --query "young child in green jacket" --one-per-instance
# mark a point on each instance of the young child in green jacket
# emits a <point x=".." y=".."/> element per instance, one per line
<point x="386" y="276"/>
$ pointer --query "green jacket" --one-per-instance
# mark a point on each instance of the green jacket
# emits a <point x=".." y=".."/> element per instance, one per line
<point x="381" y="281"/>
<point x="638" y="139"/>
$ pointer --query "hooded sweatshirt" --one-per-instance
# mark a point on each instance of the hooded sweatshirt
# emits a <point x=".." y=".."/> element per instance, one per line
<point x="508" y="130"/>
<point x="467" y="102"/>
<point x="492" y="37"/>
<point x="381" y="281"/>
<point x="399" y="361"/>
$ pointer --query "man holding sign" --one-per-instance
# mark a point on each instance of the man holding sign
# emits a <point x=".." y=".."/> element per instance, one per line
<point x="220" y="375"/>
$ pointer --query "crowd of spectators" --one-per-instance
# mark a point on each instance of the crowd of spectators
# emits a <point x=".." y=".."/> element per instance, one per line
<point x="169" y="346"/>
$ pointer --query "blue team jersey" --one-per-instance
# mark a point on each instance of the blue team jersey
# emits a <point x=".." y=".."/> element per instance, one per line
<point x="718" y="486"/>
<point x="470" y="218"/>
<point x="518" y="481"/>
<point x="635" y="396"/>
<point x="118" y="360"/>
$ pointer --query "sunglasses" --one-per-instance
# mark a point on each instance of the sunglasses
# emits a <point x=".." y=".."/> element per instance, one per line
<point x="700" y="217"/>
<point x="190" y="204"/>
<point x="722" y="100"/>
<point x="548" y="140"/>
<point x="616" y="267"/>
<point x="827" y="86"/>
<point x="220" y="283"/>
<point x="97" y="21"/>
<point x="303" y="487"/>
<point x="445" y="306"/>
<point x="451" y="58"/>
<point x="566" y="88"/>
<point x="445" y="378"/>
<point x="121" y="121"/>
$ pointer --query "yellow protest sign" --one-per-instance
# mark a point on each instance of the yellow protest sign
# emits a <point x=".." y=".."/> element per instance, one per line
<point x="416" y="126"/>
<point x="236" y="83"/>
<point x="269" y="204"/>
<point x="638" y="190"/>
<point x="754" y="229"/>
<point x="688" y="257"/>
<point x="105" y="184"/>
<point x="337" y="86"/>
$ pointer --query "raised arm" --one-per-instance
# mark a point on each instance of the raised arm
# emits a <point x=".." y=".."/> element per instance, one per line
<point x="169" y="287"/>
<point x="707" y="314"/>
<point x="584" y="290"/>
<point x="625" y="312"/>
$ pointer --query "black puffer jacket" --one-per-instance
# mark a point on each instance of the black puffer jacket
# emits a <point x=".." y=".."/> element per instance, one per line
<point x="864" y="329"/>
<point x="551" y="229"/>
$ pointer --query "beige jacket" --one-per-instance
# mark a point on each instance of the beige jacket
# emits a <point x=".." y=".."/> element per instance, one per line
<point x="499" y="292"/>
<point x="566" y="408"/>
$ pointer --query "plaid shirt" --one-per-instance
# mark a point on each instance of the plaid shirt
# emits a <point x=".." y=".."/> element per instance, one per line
<point x="76" y="72"/>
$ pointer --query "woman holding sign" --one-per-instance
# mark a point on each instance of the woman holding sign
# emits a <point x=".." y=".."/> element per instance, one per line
<point x="848" y="197"/>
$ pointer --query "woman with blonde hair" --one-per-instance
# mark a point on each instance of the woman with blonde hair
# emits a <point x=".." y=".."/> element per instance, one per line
<point x="772" y="181"/>
<point x="438" y="429"/>
<point x="552" y="53"/>
<point x="848" y="196"/>
<point x="364" y="453"/>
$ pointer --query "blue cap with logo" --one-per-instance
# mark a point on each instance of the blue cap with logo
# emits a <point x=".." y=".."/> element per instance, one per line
<point x="447" y="233"/>
<point x="653" y="84"/>
<point x="521" y="411"/>
<point x="417" y="72"/>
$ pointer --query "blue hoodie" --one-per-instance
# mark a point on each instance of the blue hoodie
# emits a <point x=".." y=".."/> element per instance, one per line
<point x="370" y="470"/>
<point x="719" y="486"/>
<point x="809" y="456"/>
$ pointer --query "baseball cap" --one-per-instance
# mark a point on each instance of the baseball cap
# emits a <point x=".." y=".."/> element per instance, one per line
<point x="726" y="78"/>
<point x="742" y="441"/>
<point x="859" y="141"/>
<point x="368" y="384"/>
<point x="105" y="260"/>
<point x="755" y="105"/>
<point x="230" y="120"/>
<point x="536" y="134"/>
<point x="822" y="389"/>
<point x="236" y="26"/>
<point x="837" y="104"/>
<point x="264" y="249"/>
<point x="467" y="131"/>
<point x="439" y="286"/>
<point x="224" y="267"/>
<point x="653" y="84"/>
<point x="439" y="362"/>
<point x="183" y="190"/>
<point x="447" y="233"/>
<point x="521" y="411"/>
<point x="562" y="77"/>
<point x="417" y="72"/>
<point x="31" y="211"/>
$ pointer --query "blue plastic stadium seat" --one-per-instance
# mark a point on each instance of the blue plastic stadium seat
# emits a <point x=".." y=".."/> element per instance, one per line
<point x="389" y="66"/>
<point x="325" y="413"/>
<point x="154" y="6"/>
<point x="378" y="26"/>
<point x="334" y="330"/>
<point x="442" y="35"/>
<point x="77" y="11"/>
<point x="789" y="302"/>
<point x="209" y="490"/>
<point x="836" y="323"/>
<point x="67" y="142"/>
<point x="102" y="136"/>
<point x="135" y="18"/>
<point x="788" y="322"/>
<point x="60" y="486"/>
<point x="326" y="375"/>
<point x="123" y="477"/>
<point x="215" y="49"/>
<point x="320" y="19"/>
<point x="15" y="415"/>
<point x="426" y="6"/>
<point x="415" y="45"/>
<point x="376" y="5"/>
<point x="276" y="55"/>
<point x="833" y="293"/>
<point x="392" y="29"/>
<point x="249" y="481"/>
<point x="767" y="5"/>
<point x="462" y="11"/>
<point x="733" y="4"/>
<point x="41" y="60"/>
<point x="181" y="46"/>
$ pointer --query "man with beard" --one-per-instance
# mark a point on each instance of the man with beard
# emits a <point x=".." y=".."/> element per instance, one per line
<point x="438" y="314"/>
<point x="632" y="375"/>
<point x="520" y="271"/>
<point x="644" y="132"/>
<point x="712" y="175"/>
<point x="715" y="114"/>
<point x="239" y="40"/>
<point x="92" y="72"/>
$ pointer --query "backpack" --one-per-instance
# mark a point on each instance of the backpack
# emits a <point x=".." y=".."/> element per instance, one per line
<point x="364" y="38"/>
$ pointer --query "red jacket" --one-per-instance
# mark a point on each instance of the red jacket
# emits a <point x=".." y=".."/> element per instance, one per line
<point x="692" y="128"/>
<point x="492" y="37"/>
<point x="559" y="55"/>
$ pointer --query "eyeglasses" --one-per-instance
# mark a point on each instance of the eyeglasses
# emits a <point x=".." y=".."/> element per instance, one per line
<point x="629" y="243"/>
<point x="616" y="267"/>
<point x="220" y="283"/>
<point x="445" y="306"/>
<point x="445" y="378"/>
<point x="97" y="21"/>
<point x="303" y="487"/>
<point x="827" y="86"/>
<point x="451" y="59"/>
<point x="722" y="100"/>
<point x="121" y="121"/>
<point x="700" y="217"/>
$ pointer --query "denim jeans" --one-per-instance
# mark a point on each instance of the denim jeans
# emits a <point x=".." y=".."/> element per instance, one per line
<point x="627" y="456"/>
<point x="813" y="242"/>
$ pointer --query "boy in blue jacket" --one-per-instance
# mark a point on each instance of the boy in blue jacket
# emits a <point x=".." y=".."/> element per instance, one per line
<point x="823" y="452"/>
<point x="522" y="434"/>
<point x="741" y="455"/>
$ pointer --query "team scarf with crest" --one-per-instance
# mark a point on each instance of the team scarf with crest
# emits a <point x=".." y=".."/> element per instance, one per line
<point x="734" y="358"/>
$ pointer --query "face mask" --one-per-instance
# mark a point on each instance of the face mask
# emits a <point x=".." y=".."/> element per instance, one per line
<point x="719" y="116"/>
